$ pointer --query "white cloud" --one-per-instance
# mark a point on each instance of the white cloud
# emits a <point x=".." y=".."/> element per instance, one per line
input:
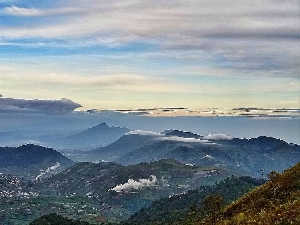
<point x="135" y="185"/>
<point x="250" y="36"/>
<point x="146" y="133"/>
<point x="172" y="20"/>
<point x="182" y="139"/>
<point x="218" y="136"/>
<point x="213" y="38"/>
<point x="163" y="137"/>
<point x="28" y="12"/>
<point x="14" y="10"/>
<point x="48" y="170"/>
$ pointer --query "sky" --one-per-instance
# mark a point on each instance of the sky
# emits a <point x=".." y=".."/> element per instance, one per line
<point x="130" y="54"/>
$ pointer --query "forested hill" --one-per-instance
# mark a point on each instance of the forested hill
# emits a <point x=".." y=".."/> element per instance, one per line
<point x="276" y="202"/>
<point x="32" y="161"/>
<point x="55" y="219"/>
<point x="173" y="210"/>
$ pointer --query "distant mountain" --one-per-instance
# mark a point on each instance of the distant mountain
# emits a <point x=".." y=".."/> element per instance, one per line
<point x="94" y="137"/>
<point x="32" y="161"/>
<point x="129" y="142"/>
<point x="254" y="157"/>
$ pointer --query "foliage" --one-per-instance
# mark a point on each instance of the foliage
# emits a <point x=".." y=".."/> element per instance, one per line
<point x="55" y="219"/>
<point x="276" y="202"/>
<point x="84" y="191"/>
<point x="188" y="207"/>
<point x="27" y="161"/>
<point x="212" y="205"/>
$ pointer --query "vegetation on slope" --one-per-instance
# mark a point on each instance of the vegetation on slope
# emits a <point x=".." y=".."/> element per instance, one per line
<point x="173" y="210"/>
<point x="276" y="202"/>
<point x="55" y="219"/>
<point x="90" y="191"/>
<point x="32" y="161"/>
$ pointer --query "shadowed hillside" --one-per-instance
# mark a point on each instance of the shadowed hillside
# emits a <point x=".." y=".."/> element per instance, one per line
<point x="32" y="161"/>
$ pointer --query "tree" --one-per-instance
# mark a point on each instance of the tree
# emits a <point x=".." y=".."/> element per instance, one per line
<point x="273" y="175"/>
<point x="212" y="205"/>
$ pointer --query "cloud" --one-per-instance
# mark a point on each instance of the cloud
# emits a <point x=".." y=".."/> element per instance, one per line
<point x="146" y="133"/>
<point x="175" y="41"/>
<point x="160" y="136"/>
<point x="114" y="82"/>
<point x="62" y="106"/>
<point x="182" y="139"/>
<point x="135" y="185"/>
<point x="48" y="170"/>
<point x="218" y="137"/>
<point x="29" y="12"/>
<point x="260" y="35"/>
<point x="14" y="10"/>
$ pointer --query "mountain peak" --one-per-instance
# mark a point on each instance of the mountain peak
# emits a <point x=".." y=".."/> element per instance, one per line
<point x="101" y="125"/>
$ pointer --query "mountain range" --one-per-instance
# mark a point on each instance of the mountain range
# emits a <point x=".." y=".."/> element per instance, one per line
<point x="134" y="170"/>
<point x="253" y="157"/>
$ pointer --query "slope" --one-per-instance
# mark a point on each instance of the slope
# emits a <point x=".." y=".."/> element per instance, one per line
<point x="173" y="210"/>
<point x="32" y="161"/>
<point x="276" y="202"/>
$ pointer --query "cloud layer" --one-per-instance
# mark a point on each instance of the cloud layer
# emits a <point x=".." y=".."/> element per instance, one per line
<point x="256" y="35"/>
<point x="127" y="49"/>
<point x="62" y="106"/>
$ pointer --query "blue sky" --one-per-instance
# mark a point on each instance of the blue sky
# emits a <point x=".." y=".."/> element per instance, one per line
<point x="132" y="54"/>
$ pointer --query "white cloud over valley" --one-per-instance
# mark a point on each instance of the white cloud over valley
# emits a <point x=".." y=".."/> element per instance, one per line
<point x="135" y="185"/>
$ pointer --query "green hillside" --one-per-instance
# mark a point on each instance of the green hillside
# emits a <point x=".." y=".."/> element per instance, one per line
<point x="174" y="210"/>
<point x="275" y="202"/>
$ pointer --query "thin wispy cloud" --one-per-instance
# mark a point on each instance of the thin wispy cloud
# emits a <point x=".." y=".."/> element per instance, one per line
<point x="18" y="11"/>
<point x="31" y="12"/>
